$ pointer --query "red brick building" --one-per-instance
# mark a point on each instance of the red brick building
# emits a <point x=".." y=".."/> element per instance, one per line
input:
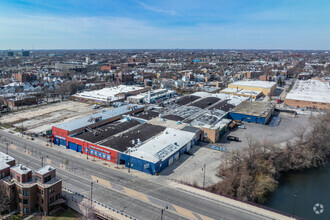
<point x="28" y="193"/>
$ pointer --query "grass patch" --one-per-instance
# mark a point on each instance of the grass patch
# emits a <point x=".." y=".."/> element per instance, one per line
<point x="15" y="217"/>
<point x="5" y="126"/>
<point x="63" y="214"/>
<point x="17" y="130"/>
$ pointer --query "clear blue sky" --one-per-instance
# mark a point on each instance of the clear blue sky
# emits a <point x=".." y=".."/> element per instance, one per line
<point x="210" y="24"/>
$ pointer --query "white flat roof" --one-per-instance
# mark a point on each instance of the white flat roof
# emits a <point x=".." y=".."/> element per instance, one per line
<point x="310" y="90"/>
<point x="108" y="94"/>
<point x="262" y="84"/>
<point x="85" y="121"/>
<point x="240" y="91"/>
<point x="163" y="146"/>
<point x="45" y="169"/>
<point x="21" y="169"/>
<point x="4" y="159"/>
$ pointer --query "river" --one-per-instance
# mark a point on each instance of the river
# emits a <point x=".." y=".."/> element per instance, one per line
<point x="311" y="187"/>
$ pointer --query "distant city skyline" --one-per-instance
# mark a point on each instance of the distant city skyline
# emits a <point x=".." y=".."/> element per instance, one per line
<point x="171" y="24"/>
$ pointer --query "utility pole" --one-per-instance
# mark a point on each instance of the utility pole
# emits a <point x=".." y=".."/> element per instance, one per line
<point x="204" y="176"/>
<point x="22" y="128"/>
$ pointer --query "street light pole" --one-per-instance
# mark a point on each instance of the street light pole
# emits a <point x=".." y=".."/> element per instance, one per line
<point x="162" y="212"/>
<point x="129" y="160"/>
<point x="42" y="160"/>
<point x="91" y="195"/>
<point x="7" y="144"/>
<point x="204" y="176"/>
<point x="294" y="202"/>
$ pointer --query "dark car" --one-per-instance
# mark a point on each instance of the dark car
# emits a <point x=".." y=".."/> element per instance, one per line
<point x="232" y="138"/>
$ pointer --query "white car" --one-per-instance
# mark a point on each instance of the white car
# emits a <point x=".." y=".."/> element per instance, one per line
<point x="241" y="126"/>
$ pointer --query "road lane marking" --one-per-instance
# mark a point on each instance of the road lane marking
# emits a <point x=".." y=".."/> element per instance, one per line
<point x="184" y="212"/>
<point x="101" y="181"/>
<point x="14" y="147"/>
<point x="136" y="194"/>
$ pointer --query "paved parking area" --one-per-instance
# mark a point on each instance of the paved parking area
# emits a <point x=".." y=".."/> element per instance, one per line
<point x="286" y="130"/>
<point x="191" y="168"/>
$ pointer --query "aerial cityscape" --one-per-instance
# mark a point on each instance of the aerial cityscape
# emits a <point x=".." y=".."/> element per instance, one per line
<point x="164" y="110"/>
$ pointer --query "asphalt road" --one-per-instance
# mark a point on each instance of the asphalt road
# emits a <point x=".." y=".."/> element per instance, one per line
<point x="115" y="199"/>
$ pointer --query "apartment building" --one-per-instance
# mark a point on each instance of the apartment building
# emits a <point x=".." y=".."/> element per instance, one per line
<point x="28" y="192"/>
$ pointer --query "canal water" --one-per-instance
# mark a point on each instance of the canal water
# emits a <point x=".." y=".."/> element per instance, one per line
<point x="312" y="187"/>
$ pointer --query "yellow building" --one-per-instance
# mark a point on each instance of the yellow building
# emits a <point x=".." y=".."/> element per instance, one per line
<point x="265" y="87"/>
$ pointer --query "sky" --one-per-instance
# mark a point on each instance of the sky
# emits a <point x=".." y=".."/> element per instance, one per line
<point x="165" y="24"/>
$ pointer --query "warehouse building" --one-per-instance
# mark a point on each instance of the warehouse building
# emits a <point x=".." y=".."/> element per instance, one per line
<point x="254" y="112"/>
<point x="106" y="96"/>
<point x="266" y="87"/>
<point x="123" y="136"/>
<point x="152" y="96"/>
<point x="253" y="94"/>
<point x="312" y="93"/>
<point x="161" y="151"/>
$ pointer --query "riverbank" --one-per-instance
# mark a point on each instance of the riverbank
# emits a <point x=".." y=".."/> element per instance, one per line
<point x="252" y="174"/>
<point x="310" y="186"/>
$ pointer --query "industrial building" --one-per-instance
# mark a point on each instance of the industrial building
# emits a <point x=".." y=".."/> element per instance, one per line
<point x="123" y="136"/>
<point x="149" y="140"/>
<point x="266" y="87"/>
<point x="253" y="94"/>
<point x="312" y="93"/>
<point x="254" y="112"/>
<point x="206" y="111"/>
<point x="151" y="96"/>
<point x="106" y="96"/>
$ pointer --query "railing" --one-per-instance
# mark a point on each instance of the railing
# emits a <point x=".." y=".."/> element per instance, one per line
<point x="99" y="213"/>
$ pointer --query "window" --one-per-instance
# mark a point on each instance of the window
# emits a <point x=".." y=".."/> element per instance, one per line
<point x="19" y="200"/>
<point x="297" y="101"/>
<point x="18" y="179"/>
<point x="12" y="189"/>
<point x="26" y="210"/>
<point x="47" y="178"/>
<point x="42" y="201"/>
<point x="314" y="102"/>
<point x="19" y="191"/>
<point x="25" y="201"/>
<point x="51" y="200"/>
<point x="51" y="190"/>
<point x="26" y="193"/>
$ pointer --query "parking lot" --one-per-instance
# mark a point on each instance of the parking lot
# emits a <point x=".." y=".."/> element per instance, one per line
<point x="286" y="130"/>
<point x="191" y="168"/>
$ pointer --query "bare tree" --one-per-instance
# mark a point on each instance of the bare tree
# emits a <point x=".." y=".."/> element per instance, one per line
<point x="4" y="199"/>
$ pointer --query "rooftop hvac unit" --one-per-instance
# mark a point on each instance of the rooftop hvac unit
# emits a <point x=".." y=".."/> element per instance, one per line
<point x="138" y="141"/>
<point x="133" y="142"/>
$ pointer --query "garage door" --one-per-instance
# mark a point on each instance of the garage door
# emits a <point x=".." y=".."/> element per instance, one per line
<point x="79" y="148"/>
<point x="73" y="146"/>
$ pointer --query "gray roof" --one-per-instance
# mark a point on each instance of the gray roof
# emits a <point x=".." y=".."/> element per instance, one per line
<point x="84" y="122"/>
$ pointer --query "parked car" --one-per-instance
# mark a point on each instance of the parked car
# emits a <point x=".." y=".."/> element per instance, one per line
<point x="241" y="126"/>
<point x="232" y="138"/>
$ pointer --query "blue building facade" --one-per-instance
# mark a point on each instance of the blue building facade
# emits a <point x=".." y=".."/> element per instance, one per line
<point x="248" y="118"/>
